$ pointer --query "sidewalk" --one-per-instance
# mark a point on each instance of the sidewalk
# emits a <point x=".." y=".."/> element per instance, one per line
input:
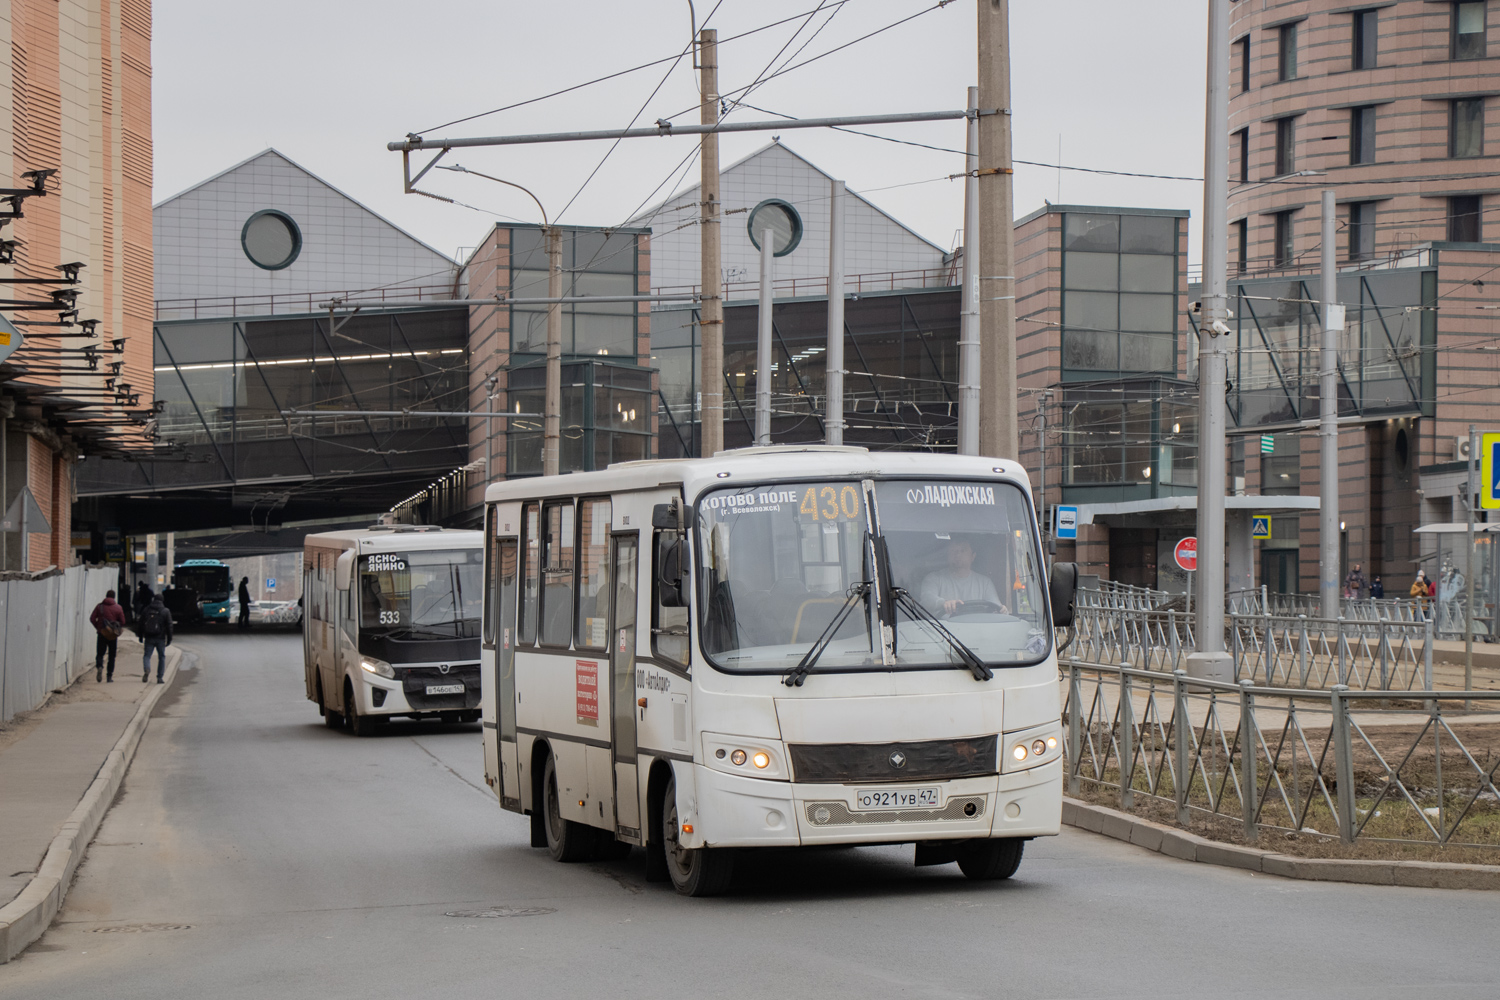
<point x="52" y="760"/>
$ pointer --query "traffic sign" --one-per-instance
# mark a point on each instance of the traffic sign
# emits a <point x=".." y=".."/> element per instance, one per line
<point x="1186" y="553"/>
<point x="1067" y="522"/>
<point x="1260" y="526"/>
<point x="1267" y="444"/>
<point x="270" y="583"/>
<point x="1489" y="471"/>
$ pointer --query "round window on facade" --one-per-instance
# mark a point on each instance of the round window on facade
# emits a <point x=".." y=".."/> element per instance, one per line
<point x="271" y="239"/>
<point x="782" y="220"/>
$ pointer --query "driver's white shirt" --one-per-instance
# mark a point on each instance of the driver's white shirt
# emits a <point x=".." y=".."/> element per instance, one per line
<point x="945" y="585"/>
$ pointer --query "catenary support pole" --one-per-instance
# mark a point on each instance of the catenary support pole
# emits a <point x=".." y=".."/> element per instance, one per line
<point x="998" y="433"/>
<point x="711" y="312"/>
<point x="552" y="404"/>
<point x="1209" y="660"/>
<point x="763" y="348"/>
<point x="833" y="417"/>
<point x="1328" y="423"/>
<point x="968" y="330"/>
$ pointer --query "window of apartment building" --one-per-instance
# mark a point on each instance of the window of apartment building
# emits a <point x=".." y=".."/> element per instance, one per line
<point x="1286" y="161"/>
<point x="1463" y="218"/>
<point x="1242" y="143"/>
<point x="1286" y="54"/>
<point x="1243" y="45"/>
<point x="1285" y="243"/>
<point x="1362" y="135"/>
<point x="1119" y="292"/>
<point x="1242" y="245"/>
<point x="1362" y="230"/>
<point x="1466" y="127"/>
<point x="1366" y="35"/>
<point x="1468" y="31"/>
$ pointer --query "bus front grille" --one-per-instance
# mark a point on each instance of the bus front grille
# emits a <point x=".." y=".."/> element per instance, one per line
<point x="925" y="761"/>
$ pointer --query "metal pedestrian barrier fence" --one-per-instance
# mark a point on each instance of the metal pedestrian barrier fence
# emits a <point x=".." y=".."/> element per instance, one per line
<point x="1338" y="763"/>
<point x="1277" y="650"/>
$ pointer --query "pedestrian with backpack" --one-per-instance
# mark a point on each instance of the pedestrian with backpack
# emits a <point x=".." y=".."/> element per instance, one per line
<point x="108" y="620"/>
<point x="156" y="633"/>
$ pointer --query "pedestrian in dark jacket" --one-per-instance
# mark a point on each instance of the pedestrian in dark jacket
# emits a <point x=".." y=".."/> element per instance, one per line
<point x="141" y="599"/>
<point x="1377" y="589"/>
<point x="108" y="620"/>
<point x="244" y="602"/>
<point x="156" y="633"/>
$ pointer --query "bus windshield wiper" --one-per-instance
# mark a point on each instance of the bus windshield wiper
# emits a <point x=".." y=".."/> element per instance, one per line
<point x="968" y="656"/>
<point x="798" y="674"/>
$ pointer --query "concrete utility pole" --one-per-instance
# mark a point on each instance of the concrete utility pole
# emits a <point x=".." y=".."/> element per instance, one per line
<point x="1328" y="423"/>
<point x="968" y="335"/>
<point x="552" y="405"/>
<point x="833" y="416"/>
<point x="711" y="313"/>
<point x="1210" y="661"/>
<point x="998" y="432"/>
<point x="763" y="348"/>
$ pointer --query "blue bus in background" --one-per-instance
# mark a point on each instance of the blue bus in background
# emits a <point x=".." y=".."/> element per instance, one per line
<point x="212" y="588"/>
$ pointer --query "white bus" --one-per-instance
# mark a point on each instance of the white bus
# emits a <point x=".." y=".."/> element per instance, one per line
<point x="774" y="647"/>
<point x="391" y="624"/>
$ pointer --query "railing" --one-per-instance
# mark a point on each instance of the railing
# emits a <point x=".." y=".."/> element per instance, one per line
<point x="289" y="303"/>
<point x="1282" y="650"/>
<point x="877" y="281"/>
<point x="1449" y="615"/>
<point x="1334" y="764"/>
<point x="188" y="429"/>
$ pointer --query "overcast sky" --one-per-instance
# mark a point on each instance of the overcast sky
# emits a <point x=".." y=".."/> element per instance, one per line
<point x="1117" y="83"/>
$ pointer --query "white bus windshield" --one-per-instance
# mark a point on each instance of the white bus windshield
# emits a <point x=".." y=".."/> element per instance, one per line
<point x="779" y="564"/>
<point x="434" y="594"/>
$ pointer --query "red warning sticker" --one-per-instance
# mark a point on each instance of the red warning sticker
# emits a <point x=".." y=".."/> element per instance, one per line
<point x="587" y="687"/>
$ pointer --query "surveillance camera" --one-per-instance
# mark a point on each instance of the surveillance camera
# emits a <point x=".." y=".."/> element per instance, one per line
<point x="1219" y="328"/>
<point x="1195" y="307"/>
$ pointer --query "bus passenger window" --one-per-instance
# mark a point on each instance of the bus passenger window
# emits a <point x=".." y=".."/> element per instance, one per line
<point x="526" y="628"/>
<point x="593" y="574"/>
<point x="669" y="626"/>
<point x="556" y="610"/>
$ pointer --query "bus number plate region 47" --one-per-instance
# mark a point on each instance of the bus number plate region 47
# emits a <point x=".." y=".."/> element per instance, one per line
<point x="897" y="798"/>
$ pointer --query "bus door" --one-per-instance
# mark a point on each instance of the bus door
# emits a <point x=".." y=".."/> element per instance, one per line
<point x="506" y="570"/>
<point x="624" y="572"/>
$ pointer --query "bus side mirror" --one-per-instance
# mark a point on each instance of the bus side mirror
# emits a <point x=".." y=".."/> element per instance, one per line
<point x="669" y="576"/>
<point x="1061" y="588"/>
<point x="664" y="515"/>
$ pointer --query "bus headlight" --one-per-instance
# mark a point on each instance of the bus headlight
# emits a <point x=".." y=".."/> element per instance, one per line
<point x="1033" y="747"/>
<point x="745" y="755"/>
<point x="379" y="668"/>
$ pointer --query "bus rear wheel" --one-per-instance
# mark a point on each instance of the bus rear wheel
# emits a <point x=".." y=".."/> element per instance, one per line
<point x="566" y="840"/>
<point x="702" y="871"/>
<point x="990" y="860"/>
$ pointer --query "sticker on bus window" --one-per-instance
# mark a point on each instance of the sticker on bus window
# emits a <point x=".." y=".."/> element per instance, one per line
<point x="954" y="495"/>
<point x="586" y="684"/>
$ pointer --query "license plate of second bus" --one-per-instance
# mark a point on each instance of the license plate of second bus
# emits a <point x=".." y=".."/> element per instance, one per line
<point x="445" y="689"/>
<point x="897" y="798"/>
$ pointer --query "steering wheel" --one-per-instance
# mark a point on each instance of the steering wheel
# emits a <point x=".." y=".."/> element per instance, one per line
<point x="978" y="608"/>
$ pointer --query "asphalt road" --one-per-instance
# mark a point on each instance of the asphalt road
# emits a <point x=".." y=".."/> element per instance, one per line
<point x="253" y="853"/>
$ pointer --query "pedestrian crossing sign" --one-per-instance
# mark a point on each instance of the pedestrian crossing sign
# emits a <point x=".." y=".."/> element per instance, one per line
<point x="1260" y="527"/>
<point x="1489" y="471"/>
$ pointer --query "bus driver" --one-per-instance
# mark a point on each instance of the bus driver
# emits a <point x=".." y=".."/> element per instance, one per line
<point x="958" y="584"/>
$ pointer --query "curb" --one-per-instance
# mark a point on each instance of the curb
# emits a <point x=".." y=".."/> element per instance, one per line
<point x="27" y="917"/>
<point x="1185" y="846"/>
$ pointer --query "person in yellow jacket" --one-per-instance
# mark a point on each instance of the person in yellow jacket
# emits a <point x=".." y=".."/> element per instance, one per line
<point x="1421" y="591"/>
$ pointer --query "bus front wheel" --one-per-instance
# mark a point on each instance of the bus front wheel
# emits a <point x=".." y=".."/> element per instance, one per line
<point x="702" y="871"/>
<point x="359" y="724"/>
<point x="566" y="840"/>
<point x="990" y="860"/>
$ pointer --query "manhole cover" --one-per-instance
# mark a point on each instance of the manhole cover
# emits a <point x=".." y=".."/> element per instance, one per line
<point x="502" y="911"/>
<point x="141" y="928"/>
